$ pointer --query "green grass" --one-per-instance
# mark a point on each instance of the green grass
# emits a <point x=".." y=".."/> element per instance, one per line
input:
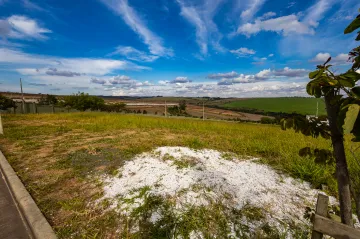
<point x="306" y="106"/>
<point x="59" y="156"/>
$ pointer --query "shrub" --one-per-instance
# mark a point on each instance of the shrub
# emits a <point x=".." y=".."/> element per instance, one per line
<point x="6" y="103"/>
<point x="83" y="102"/>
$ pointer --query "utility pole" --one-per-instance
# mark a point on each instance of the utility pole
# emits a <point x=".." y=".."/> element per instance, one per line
<point x="165" y="109"/>
<point x="317" y="108"/>
<point x="22" y="98"/>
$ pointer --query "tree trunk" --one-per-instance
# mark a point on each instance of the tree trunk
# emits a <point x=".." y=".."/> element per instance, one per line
<point x="342" y="172"/>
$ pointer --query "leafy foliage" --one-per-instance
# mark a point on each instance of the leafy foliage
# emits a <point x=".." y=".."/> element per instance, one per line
<point x="178" y="110"/>
<point x="321" y="156"/>
<point x="6" y="103"/>
<point x="342" y="98"/>
<point x="48" y="100"/>
<point x="83" y="102"/>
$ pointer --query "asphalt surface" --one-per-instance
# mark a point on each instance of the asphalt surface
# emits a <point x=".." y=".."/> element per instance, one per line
<point x="12" y="224"/>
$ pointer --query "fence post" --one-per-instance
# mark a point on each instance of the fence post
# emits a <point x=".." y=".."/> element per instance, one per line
<point x="53" y="109"/>
<point x="321" y="209"/>
<point x="35" y="108"/>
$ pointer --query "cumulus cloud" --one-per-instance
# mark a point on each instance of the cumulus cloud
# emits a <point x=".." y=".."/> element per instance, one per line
<point x="201" y="17"/>
<point x="321" y="58"/>
<point x="134" y="54"/>
<point x="271" y="55"/>
<point x="264" y="75"/>
<point x="285" y="25"/>
<point x="180" y="79"/>
<point x="288" y="72"/>
<point x="56" y="72"/>
<point x="121" y="80"/>
<point x="291" y="24"/>
<point x="243" y="52"/>
<point x="138" y="25"/>
<point x="97" y="81"/>
<point x="251" y="89"/>
<point x="24" y="28"/>
<point x="231" y="74"/>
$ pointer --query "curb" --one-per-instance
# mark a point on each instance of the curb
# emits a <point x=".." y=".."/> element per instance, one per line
<point x="36" y="221"/>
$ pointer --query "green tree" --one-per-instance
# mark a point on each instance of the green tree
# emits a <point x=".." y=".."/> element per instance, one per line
<point x="6" y="103"/>
<point x="182" y="105"/>
<point x="48" y="100"/>
<point x="83" y="101"/>
<point x="342" y="99"/>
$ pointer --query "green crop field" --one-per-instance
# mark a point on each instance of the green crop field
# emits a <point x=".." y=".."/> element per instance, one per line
<point x="306" y="106"/>
<point x="62" y="158"/>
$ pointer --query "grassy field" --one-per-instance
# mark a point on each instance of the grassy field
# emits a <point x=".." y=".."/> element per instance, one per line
<point x="306" y="106"/>
<point x="60" y="157"/>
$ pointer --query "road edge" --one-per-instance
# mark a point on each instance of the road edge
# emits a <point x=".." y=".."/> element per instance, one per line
<point x="36" y="221"/>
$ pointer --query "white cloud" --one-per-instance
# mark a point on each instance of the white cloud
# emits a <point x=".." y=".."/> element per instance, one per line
<point x="290" y="24"/>
<point x="231" y="74"/>
<point x="267" y="15"/>
<point x="291" y="4"/>
<point x="32" y="6"/>
<point x="179" y="80"/>
<point x="264" y="75"/>
<point x="127" y="82"/>
<point x="91" y="66"/>
<point x="133" y="54"/>
<point x="24" y="27"/>
<point x="285" y="25"/>
<point x="28" y="71"/>
<point x="316" y="12"/>
<point x="243" y="52"/>
<point x="271" y="55"/>
<point x="323" y="57"/>
<point x="121" y="80"/>
<point x="56" y="72"/>
<point x="250" y="89"/>
<point x="5" y="28"/>
<point x="201" y="17"/>
<point x="138" y="25"/>
<point x="288" y="72"/>
<point x="252" y="8"/>
<point x="97" y="81"/>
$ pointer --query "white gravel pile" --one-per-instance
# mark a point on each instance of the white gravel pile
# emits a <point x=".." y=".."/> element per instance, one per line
<point x="193" y="177"/>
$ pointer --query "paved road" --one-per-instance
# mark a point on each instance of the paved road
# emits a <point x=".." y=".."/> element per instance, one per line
<point x="12" y="225"/>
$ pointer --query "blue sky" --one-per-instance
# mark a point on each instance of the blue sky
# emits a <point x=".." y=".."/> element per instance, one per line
<point x="225" y="48"/>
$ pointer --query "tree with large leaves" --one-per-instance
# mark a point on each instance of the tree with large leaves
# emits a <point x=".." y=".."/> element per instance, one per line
<point x="342" y="98"/>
